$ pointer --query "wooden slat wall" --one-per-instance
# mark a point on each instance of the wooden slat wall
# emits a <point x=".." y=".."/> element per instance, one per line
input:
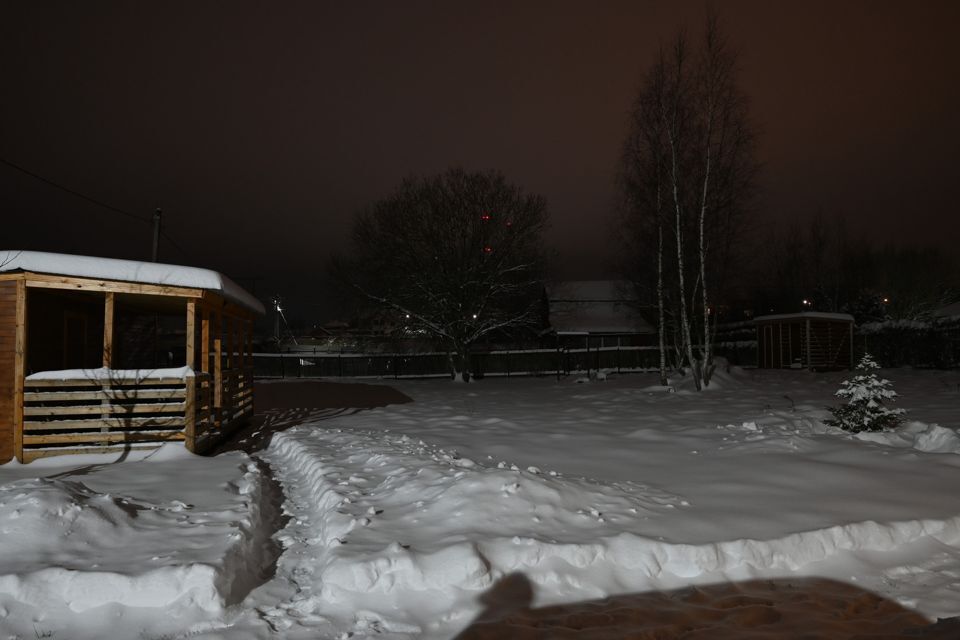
<point x="69" y="414"/>
<point x="8" y="328"/>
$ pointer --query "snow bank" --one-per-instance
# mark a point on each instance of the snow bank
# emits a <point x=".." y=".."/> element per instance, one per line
<point x="108" y="535"/>
<point x="410" y="534"/>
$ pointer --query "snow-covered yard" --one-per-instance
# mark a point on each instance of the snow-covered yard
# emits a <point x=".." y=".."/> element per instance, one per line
<point x="400" y="519"/>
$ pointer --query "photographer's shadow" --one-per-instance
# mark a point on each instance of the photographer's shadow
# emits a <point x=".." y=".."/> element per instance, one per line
<point x="754" y="609"/>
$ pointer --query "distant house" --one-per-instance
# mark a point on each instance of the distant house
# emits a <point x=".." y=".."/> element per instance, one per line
<point x="808" y="340"/>
<point x="99" y="354"/>
<point x="598" y="313"/>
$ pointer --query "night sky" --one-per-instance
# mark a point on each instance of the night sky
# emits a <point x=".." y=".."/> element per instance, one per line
<point x="261" y="128"/>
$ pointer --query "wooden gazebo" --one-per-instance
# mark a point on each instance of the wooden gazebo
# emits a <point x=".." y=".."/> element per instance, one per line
<point x="808" y="340"/>
<point x="99" y="354"/>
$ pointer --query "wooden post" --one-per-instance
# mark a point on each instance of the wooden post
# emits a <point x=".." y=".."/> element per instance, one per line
<point x="108" y="320"/>
<point x="241" y="379"/>
<point x="205" y="365"/>
<point x="809" y="346"/>
<point x="249" y="350"/>
<point x="19" y="368"/>
<point x="205" y="340"/>
<point x="191" y="355"/>
<point x="190" y="413"/>
<point x="108" y="317"/>
<point x="218" y="366"/>
<point x="231" y="365"/>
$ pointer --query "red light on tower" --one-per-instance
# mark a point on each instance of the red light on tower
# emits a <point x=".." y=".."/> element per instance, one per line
<point x="485" y="217"/>
<point x="488" y="249"/>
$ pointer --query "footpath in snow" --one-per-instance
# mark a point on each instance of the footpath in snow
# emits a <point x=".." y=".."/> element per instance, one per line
<point x="400" y="521"/>
<point x="145" y="547"/>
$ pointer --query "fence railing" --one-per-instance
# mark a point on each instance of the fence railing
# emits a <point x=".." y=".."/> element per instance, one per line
<point x="78" y="415"/>
<point x="528" y="362"/>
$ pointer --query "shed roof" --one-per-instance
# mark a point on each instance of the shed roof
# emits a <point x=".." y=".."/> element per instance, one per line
<point x="63" y="264"/>
<point x="803" y="315"/>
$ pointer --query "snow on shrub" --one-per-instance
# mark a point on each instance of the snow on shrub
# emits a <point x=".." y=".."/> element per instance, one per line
<point x="866" y="393"/>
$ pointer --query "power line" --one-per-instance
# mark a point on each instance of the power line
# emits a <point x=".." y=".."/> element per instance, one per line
<point x="75" y="193"/>
<point x="97" y="202"/>
<point x="175" y="245"/>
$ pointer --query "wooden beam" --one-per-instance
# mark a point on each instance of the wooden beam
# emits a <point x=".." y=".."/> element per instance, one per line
<point x="110" y="410"/>
<point x="108" y="317"/>
<point x="122" y="422"/>
<point x="118" y="436"/>
<point x="190" y="415"/>
<point x="191" y="355"/>
<point x="215" y="301"/>
<point x="43" y="281"/>
<point x="249" y="350"/>
<point x="218" y="365"/>
<point x="205" y="340"/>
<point x="104" y="394"/>
<point x="19" y="369"/>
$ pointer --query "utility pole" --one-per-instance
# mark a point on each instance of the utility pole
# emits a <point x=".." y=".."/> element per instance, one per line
<point x="156" y="235"/>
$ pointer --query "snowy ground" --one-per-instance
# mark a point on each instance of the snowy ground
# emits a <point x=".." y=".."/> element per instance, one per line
<point x="401" y="518"/>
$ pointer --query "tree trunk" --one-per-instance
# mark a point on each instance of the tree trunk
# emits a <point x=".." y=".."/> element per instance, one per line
<point x="661" y="320"/>
<point x="681" y="281"/>
<point x="707" y="349"/>
<point x="459" y="356"/>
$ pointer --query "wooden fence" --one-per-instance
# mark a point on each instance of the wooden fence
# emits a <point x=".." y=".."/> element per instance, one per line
<point x="500" y="363"/>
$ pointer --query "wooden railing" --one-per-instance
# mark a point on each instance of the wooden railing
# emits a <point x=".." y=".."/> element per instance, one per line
<point x="92" y="416"/>
<point x="80" y="415"/>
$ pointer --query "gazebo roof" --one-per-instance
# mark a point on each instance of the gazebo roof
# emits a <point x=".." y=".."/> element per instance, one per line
<point x="155" y="273"/>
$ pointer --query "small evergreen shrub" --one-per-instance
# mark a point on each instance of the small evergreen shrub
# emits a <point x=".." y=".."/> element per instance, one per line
<point x="865" y="395"/>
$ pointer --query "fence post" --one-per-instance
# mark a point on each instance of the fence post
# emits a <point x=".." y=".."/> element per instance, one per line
<point x="340" y="364"/>
<point x="283" y="367"/>
<point x="508" y="363"/>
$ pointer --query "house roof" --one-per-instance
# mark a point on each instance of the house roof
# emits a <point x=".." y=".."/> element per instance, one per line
<point x="594" y="306"/>
<point x="591" y="291"/>
<point x="803" y="315"/>
<point x="62" y="264"/>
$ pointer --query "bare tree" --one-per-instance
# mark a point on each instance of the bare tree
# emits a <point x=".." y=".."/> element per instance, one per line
<point x="690" y="144"/>
<point x="456" y="257"/>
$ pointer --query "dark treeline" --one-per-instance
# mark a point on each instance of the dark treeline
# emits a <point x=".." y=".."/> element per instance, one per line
<point x="825" y="266"/>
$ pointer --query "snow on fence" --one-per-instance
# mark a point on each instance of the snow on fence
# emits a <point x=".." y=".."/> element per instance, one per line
<point x="503" y="363"/>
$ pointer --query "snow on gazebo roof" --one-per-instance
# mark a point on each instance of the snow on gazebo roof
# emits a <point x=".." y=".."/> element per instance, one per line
<point x="171" y="275"/>
<point x="802" y="315"/>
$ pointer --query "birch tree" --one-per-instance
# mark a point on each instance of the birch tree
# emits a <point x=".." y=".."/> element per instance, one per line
<point x="688" y="167"/>
<point x="455" y="257"/>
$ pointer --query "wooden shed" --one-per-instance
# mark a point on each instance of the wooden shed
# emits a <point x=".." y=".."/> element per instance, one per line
<point x="811" y="340"/>
<point x="98" y="355"/>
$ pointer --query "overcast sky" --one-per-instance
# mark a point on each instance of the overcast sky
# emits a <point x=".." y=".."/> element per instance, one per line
<point x="261" y="128"/>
